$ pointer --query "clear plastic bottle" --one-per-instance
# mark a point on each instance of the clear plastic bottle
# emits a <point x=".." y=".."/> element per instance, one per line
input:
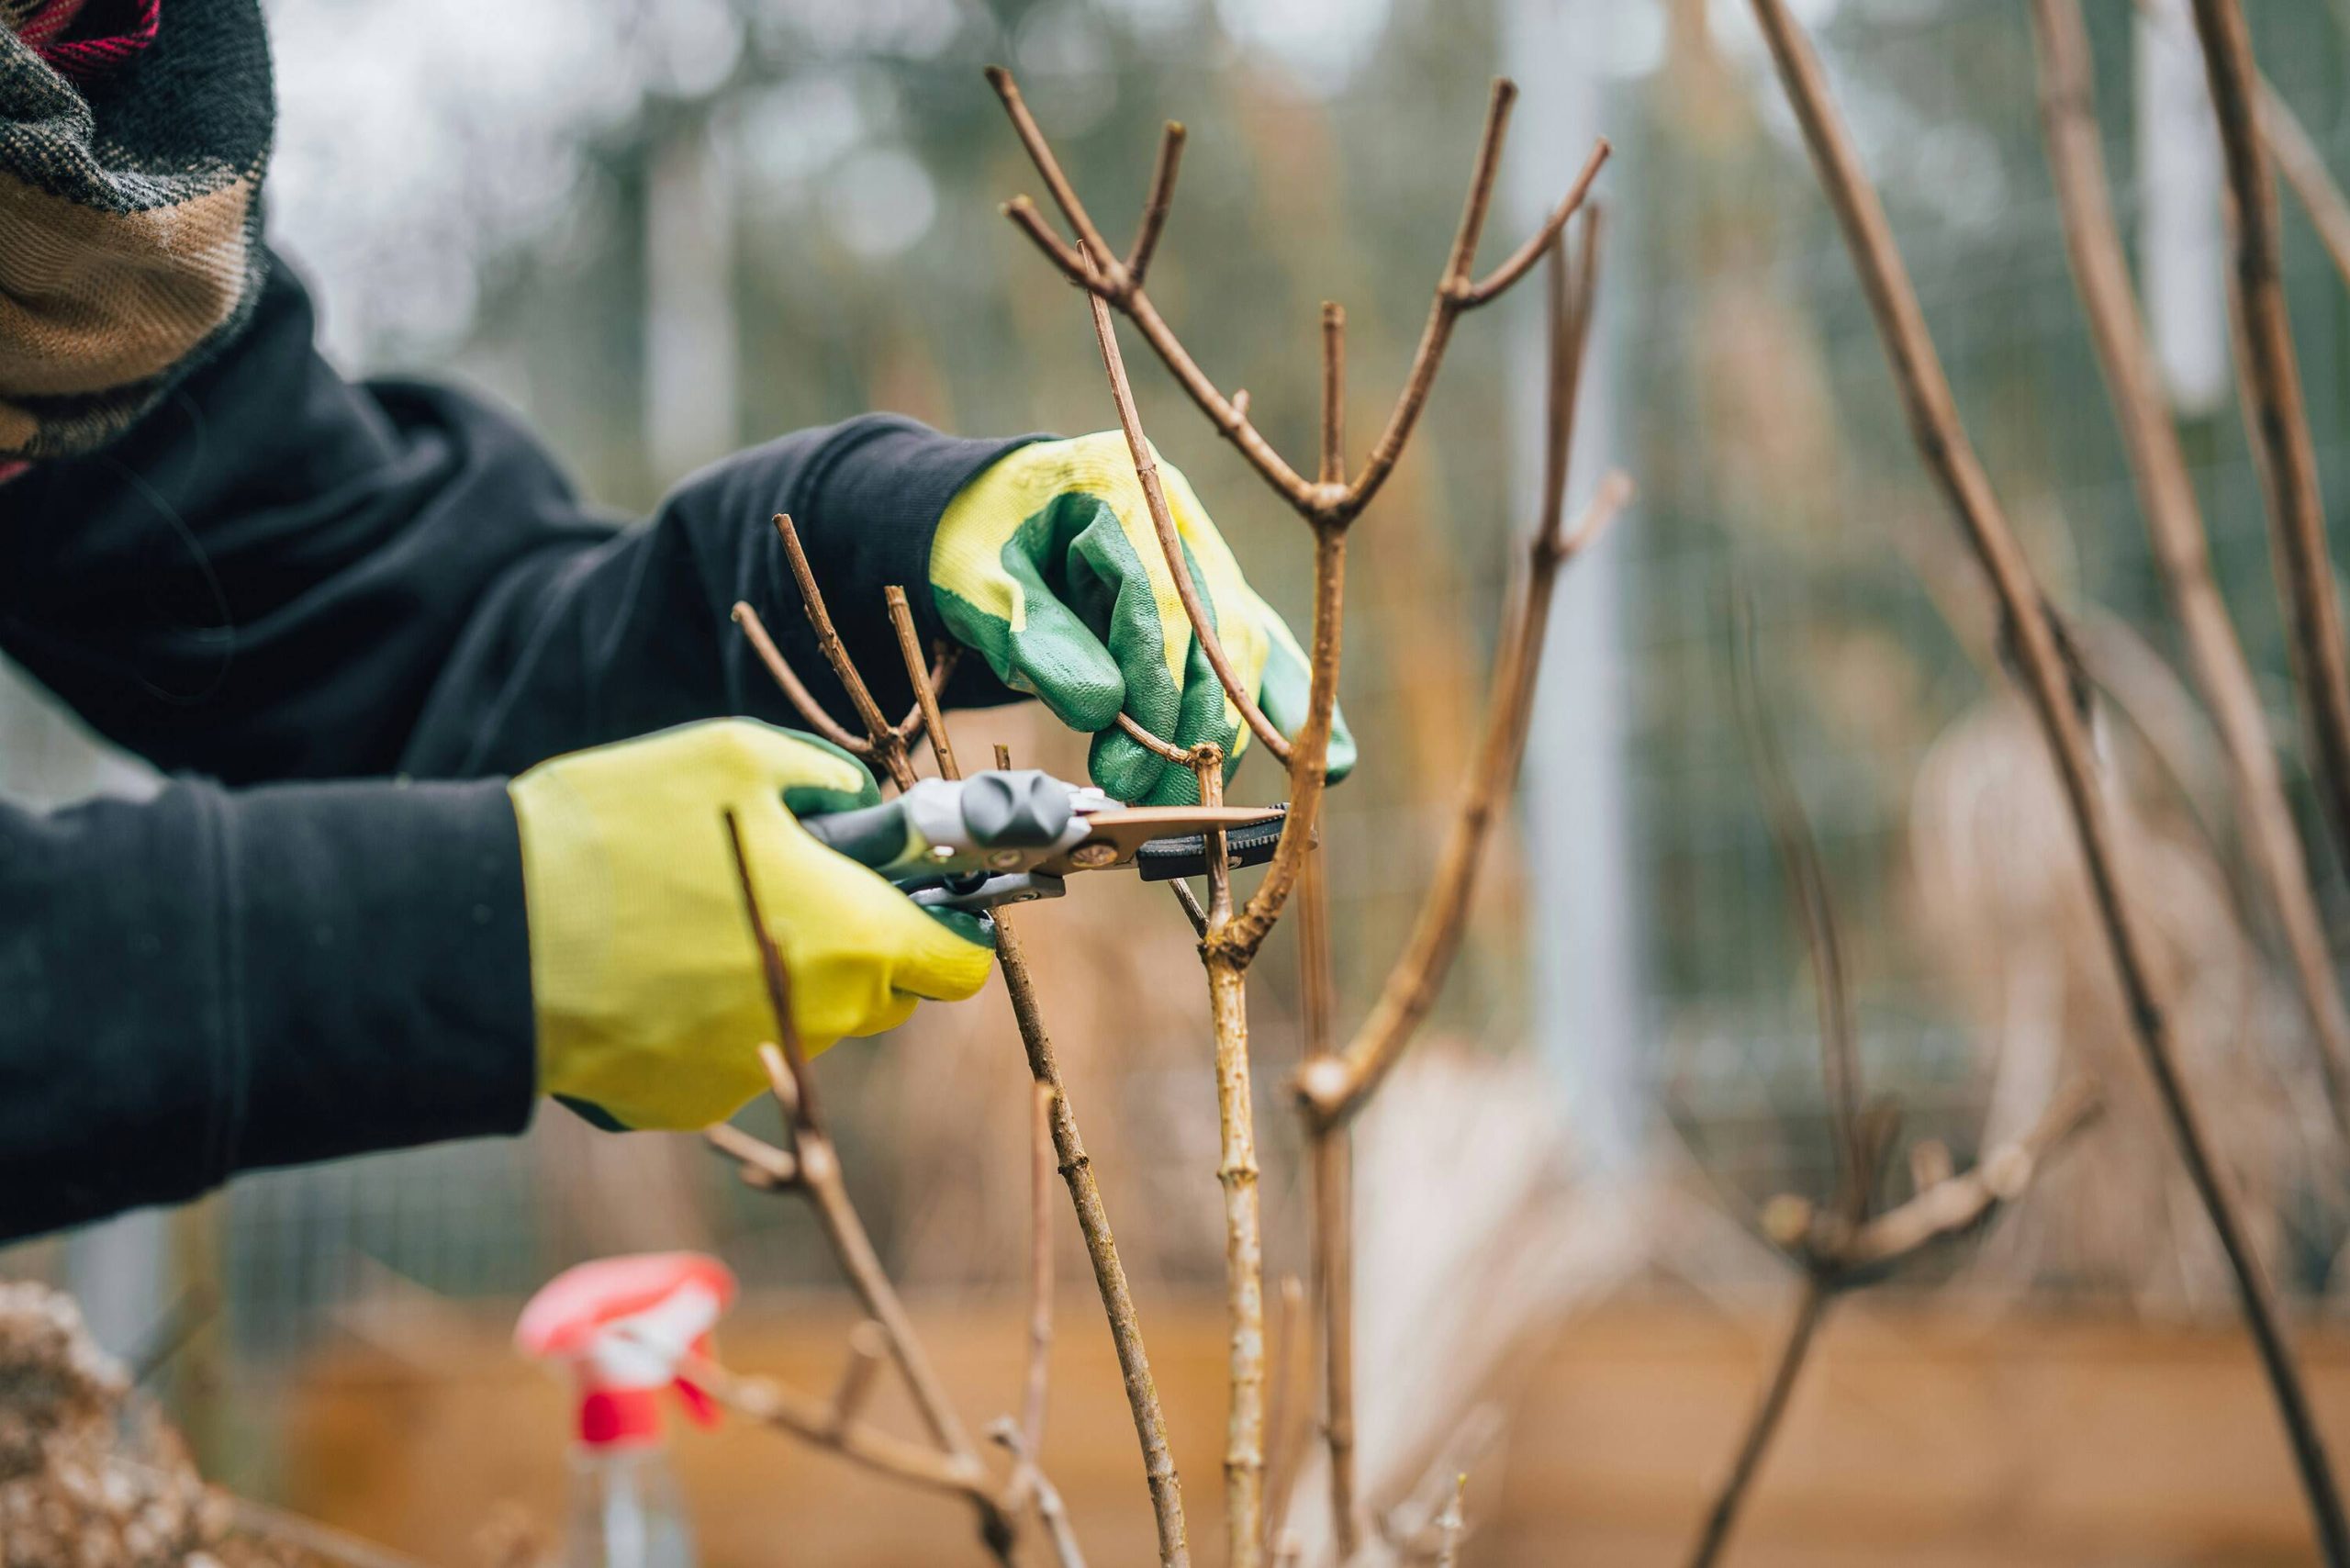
<point x="626" y="1511"/>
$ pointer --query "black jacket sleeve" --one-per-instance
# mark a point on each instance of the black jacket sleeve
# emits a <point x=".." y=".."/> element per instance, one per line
<point x="279" y="576"/>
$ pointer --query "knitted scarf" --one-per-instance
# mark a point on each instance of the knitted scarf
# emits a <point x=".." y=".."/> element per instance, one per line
<point x="132" y="152"/>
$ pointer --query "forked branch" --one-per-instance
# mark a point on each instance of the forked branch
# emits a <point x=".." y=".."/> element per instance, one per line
<point x="1323" y="501"/>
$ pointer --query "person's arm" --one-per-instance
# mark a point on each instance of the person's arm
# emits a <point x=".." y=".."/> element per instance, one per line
<point x="217" y="980"/>
<point x="280" y="575"/>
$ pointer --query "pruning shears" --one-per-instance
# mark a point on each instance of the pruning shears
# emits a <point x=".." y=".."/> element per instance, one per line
<point x="1012" y="834"/>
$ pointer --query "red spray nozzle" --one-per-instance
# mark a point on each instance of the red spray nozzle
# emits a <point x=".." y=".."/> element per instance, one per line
<point x="623" y="1326"/>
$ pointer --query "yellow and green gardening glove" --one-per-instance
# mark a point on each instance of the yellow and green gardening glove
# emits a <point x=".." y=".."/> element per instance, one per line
<point x="1048" y="564"/>
<point x="646" y="982"/>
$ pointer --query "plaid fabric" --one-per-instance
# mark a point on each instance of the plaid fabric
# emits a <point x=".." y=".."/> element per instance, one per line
<point x="131" y="154"/>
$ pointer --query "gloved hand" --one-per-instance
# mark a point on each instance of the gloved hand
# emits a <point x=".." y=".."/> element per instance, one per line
<point x="1048" y="564"/>
<point x="644" y="972"/>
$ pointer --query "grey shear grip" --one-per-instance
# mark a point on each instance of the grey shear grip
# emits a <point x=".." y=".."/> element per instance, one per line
<point x="870" y="836"/>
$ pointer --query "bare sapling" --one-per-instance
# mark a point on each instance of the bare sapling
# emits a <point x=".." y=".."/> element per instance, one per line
<point x="1335" y="1085"/>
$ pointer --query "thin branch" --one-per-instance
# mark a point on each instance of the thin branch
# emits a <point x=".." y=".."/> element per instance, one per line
<point x="1192" y="910"/>
<point x="1335" y="1088"/>
<point x="1146" y="463"/>
<point x="1229" y="416"/>
<point x="1120" y="284"/>
<point x="820" y="1183"/>
<point x="888" y="746"/>
<point x="869" y="1344"/>
<point x="755" y="631"/>
<point x="1182" y="757"/>
<point x="1958" y="1204"/>
<point x="2303" y="166"/>
<point x="1040" y="1266"/>
<point x="1811" y="1305"/>
<point x="808" y="1418"/>
<point x="1798" y="853"/>
<point x="1067" y="1553"/>
<point x="1950" y="460"/>
<point x="1331" y="1155"/>
<point x="1456" y="294"/>
<point x="1309" y="770"/>
<point x="1100" y="1246"/>
<point x="759" y="1162"/>
<point x="901" y="617"/>
<point x="1317" y="982"/>
<point x="1155" y="205"/>
<point x="1333" y="470"/>
<point x="1287" y="1426"/>
<point x="794" y="1089"/>
<point x="2175" y="523"/>
<point x="2299" y="160"/>
<point x="2279" y="422"/>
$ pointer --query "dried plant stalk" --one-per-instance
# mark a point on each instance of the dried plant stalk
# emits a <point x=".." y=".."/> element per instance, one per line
<point x="2174" y="522"/>
<point x="817" y="1178"/>
<point x="1950" y="460"/>
<point x="2279" y="422"/>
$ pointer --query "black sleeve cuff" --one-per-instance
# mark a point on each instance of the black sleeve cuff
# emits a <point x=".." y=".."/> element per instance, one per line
<point x="380" y="962"/>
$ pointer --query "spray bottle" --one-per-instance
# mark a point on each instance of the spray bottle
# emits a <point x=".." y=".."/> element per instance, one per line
<point x="621" y="1327"/>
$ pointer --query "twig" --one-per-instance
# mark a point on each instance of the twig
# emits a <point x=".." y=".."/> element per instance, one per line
<point x="1950" y="460"/>
<point x="1039" y="1486"/>
<point x="901" y="617"/>
<point x="1155" y="204"/>
<point x="760" y="1163"/>
<point x="1100" y="1246"/>
<point x="1285" y="1424"/>
<point x="888" y="746"/>
<point x="1192" y="910"/>
<point x="1798" y="851"/>
<point x="1957" y="1204"/>
<point x="2175" y="523"/>
<point x="1040" y="1266"/>
<point x="1155" y="498"/>
<point x="1335" y="1088"/>
<point x="755" y="631"/>
<point x="1119" y="283"/>
<point x="2299" y="160"/>
<point x="1330" y="1157"/>
<point x="820" y="1183"/>
<point x="2279" y="422"/>
<point x="774" y="1404"/>
<point x="869" y="1342"/>
<point x="1811" y="1305"/>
